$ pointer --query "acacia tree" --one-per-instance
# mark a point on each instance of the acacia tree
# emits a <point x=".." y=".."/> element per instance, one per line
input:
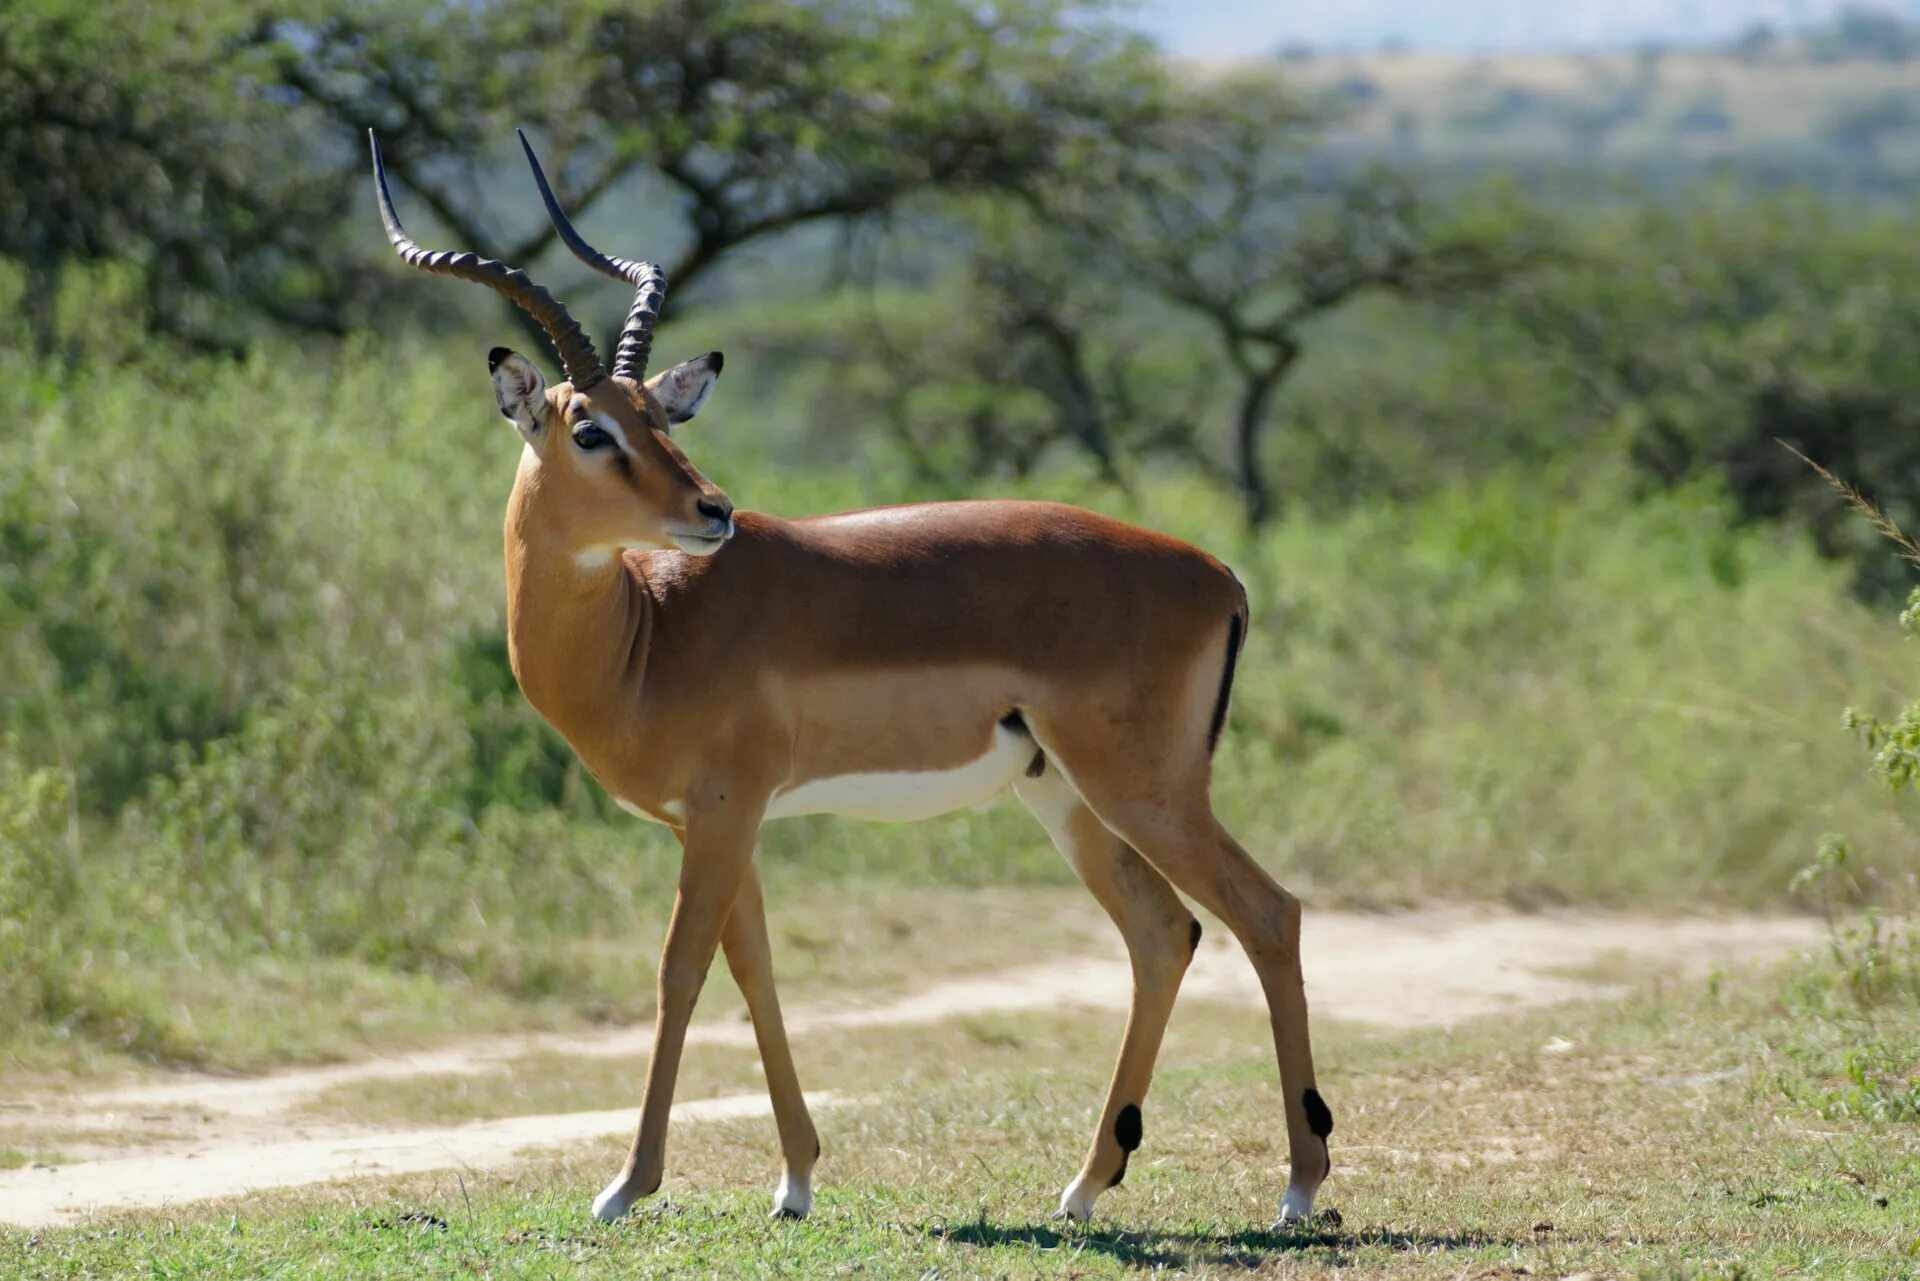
<point x="225" y="146"/>
<point x="1153" y="300"/>
<point x="127" y="134"/>
<point x="1224" y="212"/>
<point x="754" y="116"/>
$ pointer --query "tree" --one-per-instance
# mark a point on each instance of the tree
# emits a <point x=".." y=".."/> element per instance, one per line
<point x="1154" y="292"/>
<point x="125" y="136"/>
<point x="1704" y="334"/>
<point x="753" y="117"/>
<point x="747" y="117"/>
<point x="1222" y="213"/>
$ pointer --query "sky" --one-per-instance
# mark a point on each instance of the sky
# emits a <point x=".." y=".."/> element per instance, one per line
<point x="1243" y="28"/>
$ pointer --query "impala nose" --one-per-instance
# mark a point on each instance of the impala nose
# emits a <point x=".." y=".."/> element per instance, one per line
<point x="717" y="510"/>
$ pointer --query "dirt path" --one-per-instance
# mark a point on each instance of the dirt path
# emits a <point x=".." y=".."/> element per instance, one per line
<point x="196" y="1137"/>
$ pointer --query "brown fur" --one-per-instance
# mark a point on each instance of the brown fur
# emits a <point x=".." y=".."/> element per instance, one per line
<point x="807" y="646"/>
<point x="696" y="688"/>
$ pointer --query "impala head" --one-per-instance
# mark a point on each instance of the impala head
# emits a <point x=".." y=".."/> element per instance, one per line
<point x="599" y="446"/>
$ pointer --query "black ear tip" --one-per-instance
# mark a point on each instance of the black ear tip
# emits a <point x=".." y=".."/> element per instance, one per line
<point x="497" y="355"/>
<point x="715" y="360"/>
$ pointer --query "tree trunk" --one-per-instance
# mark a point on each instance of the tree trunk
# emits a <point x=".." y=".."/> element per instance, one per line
<point x="1250" y="424"/>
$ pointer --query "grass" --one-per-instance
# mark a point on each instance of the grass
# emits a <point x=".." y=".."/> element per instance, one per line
<point x="1676" y="1133"/>
<point x="854" y="1060"/>
<point x="15" y="1158"/>
<point x="879" y="939"/>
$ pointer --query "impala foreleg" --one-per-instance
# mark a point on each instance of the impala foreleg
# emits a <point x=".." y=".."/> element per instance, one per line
<point x="750" y="958"/>
<point x="1160" y="935"/>
<point x="717" y="854"/>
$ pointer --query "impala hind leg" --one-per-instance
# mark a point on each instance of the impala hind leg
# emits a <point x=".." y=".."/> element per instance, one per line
<point x="718" y="851"/>
<point x="1173" y="827"/>
<point x="750" y="958"/>
<point x="1160" y="934"/>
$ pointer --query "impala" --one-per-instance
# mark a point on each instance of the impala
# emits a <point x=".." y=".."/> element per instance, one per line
<point x="715" y="668"/>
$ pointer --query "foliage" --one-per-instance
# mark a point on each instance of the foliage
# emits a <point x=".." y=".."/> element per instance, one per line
<point x="36" y="885"/>
<point x="222" y="151"/>
<point x="1533" y="614"/>
<point x="1150" y="302"/>
<point x="1868" y="980"/>
<point x="1704" y="333"/>
<point x="130" y="133"/>
<point x="1863" y="31"/>
<point x="1873" y="964"/>
<point x="1895" y="745"/>
<point x="254" y="641"/>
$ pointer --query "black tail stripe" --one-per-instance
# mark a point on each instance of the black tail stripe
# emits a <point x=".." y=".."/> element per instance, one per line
<point x="1226" y="685"/>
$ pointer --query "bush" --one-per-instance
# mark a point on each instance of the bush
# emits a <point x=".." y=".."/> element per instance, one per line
<point x="37" y="888"/>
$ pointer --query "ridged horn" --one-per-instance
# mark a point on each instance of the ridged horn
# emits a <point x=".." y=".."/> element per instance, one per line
<point x="570" y="342"/>
<point x="648" y="281"/>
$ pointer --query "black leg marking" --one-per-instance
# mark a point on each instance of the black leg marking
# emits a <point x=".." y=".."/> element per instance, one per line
<point x="816" y="1147"/>
<point x="1126" y="1132"/>
<point x="1194" y="942"/>
<point x="1319" y="1117"/>
<point x="1320" y="1121"/>
<point x="1039" y="765"/>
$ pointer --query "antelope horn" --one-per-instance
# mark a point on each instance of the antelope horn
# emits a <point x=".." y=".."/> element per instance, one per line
<point x="648" y="281"/>
<point x="570" y="342"/>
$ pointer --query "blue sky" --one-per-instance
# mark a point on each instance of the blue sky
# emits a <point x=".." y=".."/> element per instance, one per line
<point x="1226" y="28"/>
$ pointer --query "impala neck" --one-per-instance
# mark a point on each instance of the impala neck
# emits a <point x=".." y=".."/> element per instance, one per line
<point x="577" y="632"/>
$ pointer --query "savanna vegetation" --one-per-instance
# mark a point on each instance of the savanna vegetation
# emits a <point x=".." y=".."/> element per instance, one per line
<point x="1542" y="611"/>
<point x="1478" y="375"/>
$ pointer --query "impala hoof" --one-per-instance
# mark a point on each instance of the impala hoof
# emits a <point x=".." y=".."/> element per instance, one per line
<point x="1076" y="1203"/>
<point x="794" y="1200"/>
<point x="1326" y="1219"/>
<point x="617" y="1199"/>
<point x="1296" y="1207"/>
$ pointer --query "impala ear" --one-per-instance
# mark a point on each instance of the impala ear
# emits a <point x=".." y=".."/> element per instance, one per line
<point x="684" y="388"/>
<point x="520" y="389"/>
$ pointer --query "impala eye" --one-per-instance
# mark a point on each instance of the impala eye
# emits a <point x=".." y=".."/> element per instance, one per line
<point x="589" y="437"/>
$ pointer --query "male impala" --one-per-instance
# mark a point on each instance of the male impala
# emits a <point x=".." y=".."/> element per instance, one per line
<point x="715" y="669"/>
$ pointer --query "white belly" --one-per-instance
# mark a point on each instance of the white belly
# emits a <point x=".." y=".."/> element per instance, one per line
<point x="675" y="811"/>
<point x="912" y="794"/>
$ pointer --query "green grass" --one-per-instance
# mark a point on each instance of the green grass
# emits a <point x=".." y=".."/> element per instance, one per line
<point x="879" y="939"/>
<point x="854" y="1060"/>
<point x="1676" y="1133"/>
<point x="14" y="1158"/>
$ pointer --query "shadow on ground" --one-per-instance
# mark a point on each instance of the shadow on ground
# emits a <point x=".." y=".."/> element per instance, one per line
<point x="1184" y="1249"/>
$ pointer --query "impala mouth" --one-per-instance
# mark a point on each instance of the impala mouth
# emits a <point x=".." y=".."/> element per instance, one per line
<point x="704" y="539"/>
<point x="702" y="544"/>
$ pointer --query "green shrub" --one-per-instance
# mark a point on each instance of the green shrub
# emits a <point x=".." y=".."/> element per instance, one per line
<point x="38" y="890"/>
<point x="1853" y="1052"/>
